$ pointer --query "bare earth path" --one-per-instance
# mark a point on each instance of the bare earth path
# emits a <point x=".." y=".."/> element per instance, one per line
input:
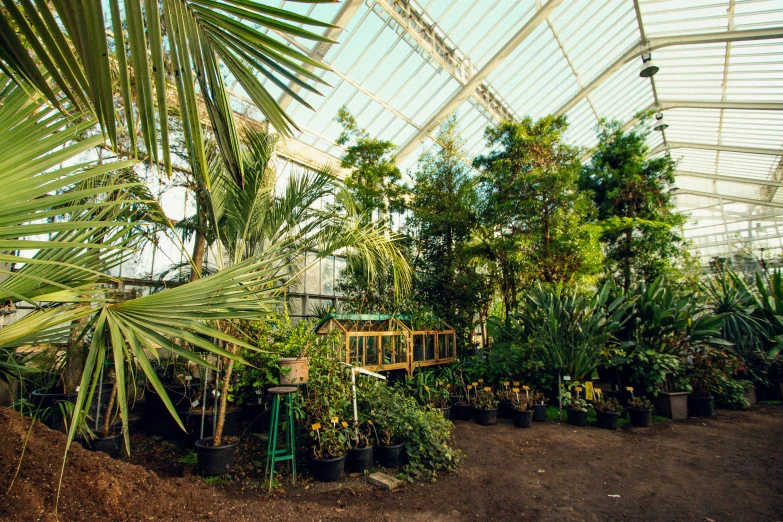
<point x="724" y="469"/>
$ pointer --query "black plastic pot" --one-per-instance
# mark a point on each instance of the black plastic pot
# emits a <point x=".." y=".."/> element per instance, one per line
<point x="446" y="412"/>
<point x="158" y="420"/>
<point x="454" y="400"/>
<point x="52" y="398"/>
<point x="539" y="412"/>
<point x="111" y="445"/>
<point x="640" y="418"/>
<point x="230" y="426"/>
<point x="359" y="459"/>
<point x="523" y="419"/>
<point x="506" y="410"/>
<point x="328" y="470"/>
<point x="576" y="417"/>
<point x="391" y="456"/>
<point x="461" y="412"/>
<point x="485" y="417"/>
<point x="257" y="416"/>
<point x="215" y="461"/>
<point x="701" y="406"/>
<point x="607" y="420"/>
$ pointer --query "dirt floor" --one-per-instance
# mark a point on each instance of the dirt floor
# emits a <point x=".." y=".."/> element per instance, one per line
<point x="725" y="469"/>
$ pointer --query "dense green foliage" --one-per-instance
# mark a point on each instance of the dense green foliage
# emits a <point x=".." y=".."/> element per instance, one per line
<point x="533" y="215"/>
<point x="642" y="234"/>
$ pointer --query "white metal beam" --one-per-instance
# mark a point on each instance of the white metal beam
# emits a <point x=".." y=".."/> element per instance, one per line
<point x="637" y="49"/>
<point x="733" y="199"/>
<point x="469" y="88"/>
<point x="341" y="19"/>
<point x="428" y="37"/>
<point x="735" y="105"/>
<point x="732" y="179"/>
<point x="709" y="146"/>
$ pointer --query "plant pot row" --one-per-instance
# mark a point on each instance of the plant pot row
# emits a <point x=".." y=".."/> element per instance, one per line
<point x="357" y="461"/>
<point x="489" y="417"/>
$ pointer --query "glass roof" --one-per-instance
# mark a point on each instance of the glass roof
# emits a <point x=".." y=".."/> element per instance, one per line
<point x="401" y="63"/>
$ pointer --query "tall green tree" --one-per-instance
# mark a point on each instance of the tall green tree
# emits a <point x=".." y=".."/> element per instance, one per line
<point x="533" y="212"/>
<point x="642" y="235"/>
<point x="374" y="179"/>
<point x="444" y="207"/>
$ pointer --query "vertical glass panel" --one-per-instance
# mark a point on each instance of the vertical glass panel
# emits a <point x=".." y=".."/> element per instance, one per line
<point x="313" y="275"/>
<point x="372" y="351"/>
<point x="327" y="276"/>
<point x="357" y="349"/>
<point x="339" y="267"/>
<point x="402" y="348"/>
<point x="387" y="349"/>
<point x="443" y="346"/>
<point x="418" y="347"/>
<point x="430" y="347"/>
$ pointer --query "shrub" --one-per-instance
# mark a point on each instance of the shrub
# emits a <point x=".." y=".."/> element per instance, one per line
<point x="399" y="418"/>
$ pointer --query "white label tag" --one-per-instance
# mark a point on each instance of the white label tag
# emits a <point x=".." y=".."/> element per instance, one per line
<point x="216" y="393"/>
<point x="77" y="389"/>
<point x="258" y="392"/>
<point x="566" y="377"/>
<point x="194" y="404"/>
<point x="188" y="377"/>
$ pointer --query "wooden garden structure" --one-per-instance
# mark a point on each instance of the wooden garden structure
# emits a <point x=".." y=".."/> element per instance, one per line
<point x="388" y="342"/>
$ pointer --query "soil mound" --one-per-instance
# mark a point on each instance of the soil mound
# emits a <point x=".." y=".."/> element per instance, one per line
<point x="95" y="486"/>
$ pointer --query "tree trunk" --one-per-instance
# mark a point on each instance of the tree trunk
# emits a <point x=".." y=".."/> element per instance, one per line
<point x="222" y="404"/>
<point x="109" y="407"/>
<point x="199" y="248"/>
<point x="75" y="358"/>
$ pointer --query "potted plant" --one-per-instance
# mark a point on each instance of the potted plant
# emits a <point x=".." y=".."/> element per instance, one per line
<point x="538" y="406"/>
<point x="576" y="409"/>
<point x="360" y="455"/>
<point x="708" y="368"/>
<point x="462" y="409"/>
<point x="328" y="449"/>
<point x="390" y="451"/>
<point x="109" y="439"/>
<point x="485" y="407"/>
<point x="522" y="412"/>
<point x="505" y="401"/>
<point x="607" y="412"/>
<point x="294" y="346"/>
<point x="640" y="411"/>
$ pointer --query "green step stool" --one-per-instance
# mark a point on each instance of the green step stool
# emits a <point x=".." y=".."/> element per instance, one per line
<point x="288" y="451"/>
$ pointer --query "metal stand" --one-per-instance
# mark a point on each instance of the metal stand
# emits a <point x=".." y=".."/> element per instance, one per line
<point x="288" y="451"/>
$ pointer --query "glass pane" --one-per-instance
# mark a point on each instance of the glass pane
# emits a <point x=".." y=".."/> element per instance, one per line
<point x="313" y="275"/>
<point x="430" y="347"/>
<point x="357" y="350"/>
<point x="402" y="352"/>
<point x="372" y="351"/>
<point x="327" y="276"/>
<point x="418" y="347"/>
<point x="387" y="349"/>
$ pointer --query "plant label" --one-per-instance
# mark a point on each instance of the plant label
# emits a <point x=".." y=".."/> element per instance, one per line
<point x="566" y="377"/>
<point x="427" y="388"/>
<point x="316" y="426"/>
<point x="335" y="420"/>
<point x="481" y="380"/>
<point x="629" y="388"/>
<point x="526" y="387"/>
<point x="505" y="383"/>
<point x="515" y="390"/>
<point x="475" y="384"/>
<point x="188" y="377"/>
<point x="194" y="404"/>
<point x="77" y="389"/>
<point x="578" y="388"/>
<point x="516" y="383"/>
<point x="345" y="424"/>
<point x="487" y="389"/>
<point x="470" y="386"/>
<point x="589" y="391"/>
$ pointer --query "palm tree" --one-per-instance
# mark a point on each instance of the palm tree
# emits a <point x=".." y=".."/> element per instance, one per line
<point x="251" y="219"/>
<point x="99" y="56"/>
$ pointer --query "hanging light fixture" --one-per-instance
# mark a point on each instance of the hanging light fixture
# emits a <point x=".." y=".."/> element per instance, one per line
<point x="660" y="124"/>
<point x="649" y="68"/>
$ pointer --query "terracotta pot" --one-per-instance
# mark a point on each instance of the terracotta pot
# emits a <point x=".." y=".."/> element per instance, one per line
<point x="299" y="373"/>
